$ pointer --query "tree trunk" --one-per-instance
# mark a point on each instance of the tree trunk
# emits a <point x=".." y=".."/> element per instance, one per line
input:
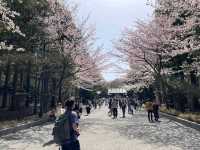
<point x="0" y="84"/>
<point x="36" y="94"/>
<point x="163" y="90"/>
<point x="28" y="81"/>
<point x="191" y="97"/>
<point x="44" y="92"/>
<point x="158" y="95"/>
<point x="61" y="80"/>
<point x="60" y="94"/>
<point x="21" y="79"/>
<point x="53" y="96"/>
<point x="5" y="87"/>
<point x="14" y="85"/>
<point x="41" y="96"/>
<point x="0" y="77"/>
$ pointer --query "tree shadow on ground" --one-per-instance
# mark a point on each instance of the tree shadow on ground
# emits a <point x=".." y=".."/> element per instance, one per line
<point x="164" y="133"/>
<point x="32" y="135"/>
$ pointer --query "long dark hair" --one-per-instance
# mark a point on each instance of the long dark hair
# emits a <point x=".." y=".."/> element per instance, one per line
<point x="69" y="105"/>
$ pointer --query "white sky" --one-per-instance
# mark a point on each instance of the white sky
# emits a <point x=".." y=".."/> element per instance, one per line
<point x="110" y="17"/>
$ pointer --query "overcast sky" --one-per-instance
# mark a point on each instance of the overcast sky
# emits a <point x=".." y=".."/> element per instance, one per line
<point x="110" y="17"/>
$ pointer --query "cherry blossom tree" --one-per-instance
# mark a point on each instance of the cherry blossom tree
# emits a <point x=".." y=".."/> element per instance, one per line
<point x="59" y="52"/>
<point x="75" y="44"/>
<point x="7" y="24"/>
<point x="173" y="32"/>
<point x="146" y="48"/>
<point x="91" y="66"/>
<point x="184" y="26"/>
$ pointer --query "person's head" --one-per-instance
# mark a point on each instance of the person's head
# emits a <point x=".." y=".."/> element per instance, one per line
<point x="69" y="104"/>
<point x="60" y="104"/>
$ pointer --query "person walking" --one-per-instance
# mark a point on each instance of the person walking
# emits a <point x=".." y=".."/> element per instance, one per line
<point x="149" y="109"/>
<point x="135" y="105"/>
<point x="88" y="108"/>
<point x="123" y="106"/>
<point x="156" y="111"/>
<point x="66" y="129"/>
<point x="132" y="106"/>
<point x="114" y="108"/>
<point x="78" y="108"/>
<point x="52" y="114"/>
<point x="110" y="107"/>
<point x="120" y="103"/>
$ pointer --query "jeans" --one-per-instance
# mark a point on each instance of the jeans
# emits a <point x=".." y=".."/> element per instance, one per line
<point x="156" y="115"/>
<point x="115" y="112"/>
<point x="150" y="115"/>
<point x="71" y="146"/>
<point x="156" y="112"/>
<point x="123" y="111"/>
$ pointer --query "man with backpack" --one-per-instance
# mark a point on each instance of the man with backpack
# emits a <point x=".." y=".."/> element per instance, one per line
<point x="66" y="129"/>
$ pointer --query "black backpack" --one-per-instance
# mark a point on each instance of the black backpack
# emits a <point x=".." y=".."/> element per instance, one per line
<point x="62" y="129"/>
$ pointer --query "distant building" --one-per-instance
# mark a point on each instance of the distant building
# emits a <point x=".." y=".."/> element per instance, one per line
<point x="117" y="91"/>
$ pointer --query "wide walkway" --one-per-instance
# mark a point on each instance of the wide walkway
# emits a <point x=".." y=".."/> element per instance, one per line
<point x="100" y="132"/>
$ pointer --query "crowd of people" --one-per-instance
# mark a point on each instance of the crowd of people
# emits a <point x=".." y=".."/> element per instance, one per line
<point x="131" y="105"/>
<point x="67" y="116"/>
<point x="123" y="103"/>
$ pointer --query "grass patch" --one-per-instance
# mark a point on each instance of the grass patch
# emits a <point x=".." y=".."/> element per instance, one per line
<point x="191" y="116"/>
<point x="14" y="123"/>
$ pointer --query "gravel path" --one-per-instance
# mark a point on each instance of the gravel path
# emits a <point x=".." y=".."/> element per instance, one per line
<point x="100" y="132"/>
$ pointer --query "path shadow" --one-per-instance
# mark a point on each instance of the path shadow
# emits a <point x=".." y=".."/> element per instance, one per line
<point x="32" y="135"/>
<point x="51" y="142"/>
<point x="164" y="133"/>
